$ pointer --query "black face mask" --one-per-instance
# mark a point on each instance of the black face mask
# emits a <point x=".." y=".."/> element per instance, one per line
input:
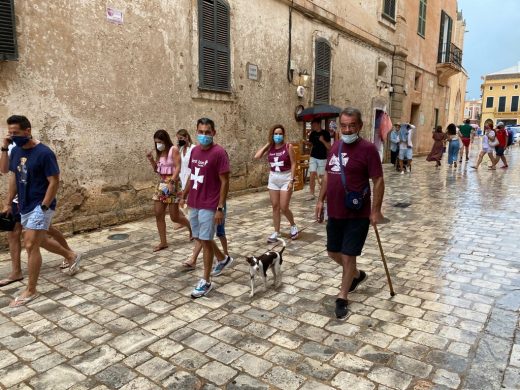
<point x="182" y="143"/>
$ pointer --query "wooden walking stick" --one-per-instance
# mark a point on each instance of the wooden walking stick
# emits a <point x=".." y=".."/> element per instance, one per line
<point x="392" y="293"/>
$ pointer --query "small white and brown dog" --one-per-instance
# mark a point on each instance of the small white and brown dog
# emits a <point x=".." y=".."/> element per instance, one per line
<point x="260" y="265"/>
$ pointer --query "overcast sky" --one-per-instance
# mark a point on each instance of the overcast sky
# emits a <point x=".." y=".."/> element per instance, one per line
<point x="492" y="42"/>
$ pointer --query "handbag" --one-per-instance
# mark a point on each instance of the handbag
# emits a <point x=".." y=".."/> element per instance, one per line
<point x="353" y="200"/>
<point x="7" y="222"/>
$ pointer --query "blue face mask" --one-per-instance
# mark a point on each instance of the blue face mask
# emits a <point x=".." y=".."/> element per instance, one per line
<point x="349" y="138"/>
<point x="205" y="140"/>
<point x="278" y="138"/>
<point x="20" y="140"/>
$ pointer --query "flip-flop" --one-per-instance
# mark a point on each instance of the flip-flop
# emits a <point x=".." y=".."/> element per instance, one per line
<point x="22" y="301"/>
<point x="159" y="248"/>
<point x="7" y="282"/>
<point x="74" y="268"/>
<point x="188" y="265"/>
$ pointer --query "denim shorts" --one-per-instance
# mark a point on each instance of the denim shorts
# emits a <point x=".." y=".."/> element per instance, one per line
<point x="499" y="151"/>
<point x="37" y="219"/>
<point x="406" y="153"/>
<point x="202" y="223"/>
<point x="317" y="165"/>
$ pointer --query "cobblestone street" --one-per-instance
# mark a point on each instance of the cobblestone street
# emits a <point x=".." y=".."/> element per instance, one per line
<point x="127" y="320"/>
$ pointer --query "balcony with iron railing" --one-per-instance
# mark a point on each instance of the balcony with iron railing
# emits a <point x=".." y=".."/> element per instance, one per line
<point x="449" y="61"/>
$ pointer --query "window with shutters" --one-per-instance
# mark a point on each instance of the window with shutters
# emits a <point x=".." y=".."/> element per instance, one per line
<point x="445" y="48"/>
<point x="8" y="48"/>
<point x="322" y="72"/>
<point x="421" y="28"/>
<point x="389" y="9"/>
<point x="214" y="46"/>
<point x="489" y="102"/>
<point x="514" y="104"/>
<point x="501" y="104"/>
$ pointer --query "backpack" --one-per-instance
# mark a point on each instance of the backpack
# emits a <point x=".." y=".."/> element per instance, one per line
<point x="510" y="136"/>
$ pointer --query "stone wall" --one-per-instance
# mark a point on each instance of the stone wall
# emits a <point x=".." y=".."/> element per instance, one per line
<point x="96" y="91"/>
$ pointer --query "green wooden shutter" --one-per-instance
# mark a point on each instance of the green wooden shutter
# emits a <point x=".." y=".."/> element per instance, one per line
<point x="214" y="47"/>
<point x="322" y="72"/>
<point x="421" y="28"/>
<point x="389" y="8"/>
<point x="8" y="47"/>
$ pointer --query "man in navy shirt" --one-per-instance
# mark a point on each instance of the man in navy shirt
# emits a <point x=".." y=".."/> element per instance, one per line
<point x="35" y="179"/>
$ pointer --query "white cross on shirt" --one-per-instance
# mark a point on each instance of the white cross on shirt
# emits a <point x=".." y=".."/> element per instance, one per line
<point x="277" y="164"/>
<point x="196" y="178"/>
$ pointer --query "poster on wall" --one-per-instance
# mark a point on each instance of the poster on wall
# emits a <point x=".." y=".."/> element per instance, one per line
<point x="114" y="15"/>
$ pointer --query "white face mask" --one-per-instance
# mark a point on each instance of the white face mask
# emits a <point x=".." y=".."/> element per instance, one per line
<point x="349" y="138"/>
<point x="160" y="147"/>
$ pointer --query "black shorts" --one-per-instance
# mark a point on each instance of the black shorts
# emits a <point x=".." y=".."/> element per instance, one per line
<point x="16" y="212"/>
<point x="499" y="150"/>
<point x="347" y="236"/>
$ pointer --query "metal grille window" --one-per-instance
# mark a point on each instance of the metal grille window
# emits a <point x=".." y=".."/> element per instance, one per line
<point x="322" y="72"/>
<point x="501" y="104"/>
<point x="489" y="102"/>
<point x="514" y="104"/>
<point x="8" y="47"/>
<point x="421" y="28"/>
<point x="214" y="45"/>
<point x="389" y="9"/>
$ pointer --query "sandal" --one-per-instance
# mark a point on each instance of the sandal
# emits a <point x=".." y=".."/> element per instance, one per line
<point x="22" y="301"/>
<point x="188" y="265"/>
<point x="7" y="282"/>
<point x="64" y="264"/>
<point x="160" y="248"/>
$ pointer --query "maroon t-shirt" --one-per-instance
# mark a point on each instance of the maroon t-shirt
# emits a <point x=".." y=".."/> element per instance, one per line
<point x="362" y="162"/>
<point x="279" y="159"/>
<point x="206" y="166"/>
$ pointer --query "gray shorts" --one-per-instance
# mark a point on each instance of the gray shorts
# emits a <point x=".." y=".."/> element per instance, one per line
<point x="37" y="219"/>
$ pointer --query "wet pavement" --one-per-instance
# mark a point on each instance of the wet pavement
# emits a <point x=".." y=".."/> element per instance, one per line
<point x="127" y="320"/>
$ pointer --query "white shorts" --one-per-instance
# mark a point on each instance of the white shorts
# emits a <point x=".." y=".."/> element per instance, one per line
<point x="279" y="181"/>
<point x="317" y="165"/>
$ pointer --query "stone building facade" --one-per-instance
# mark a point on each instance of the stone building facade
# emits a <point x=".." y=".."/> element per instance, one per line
<point x="500" y="96"/>
<point x="97" y="78"/>
<point x="472" y="110"/>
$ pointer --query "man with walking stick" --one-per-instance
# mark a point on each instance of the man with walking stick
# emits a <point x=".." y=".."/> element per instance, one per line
<point x="351" y="163"/>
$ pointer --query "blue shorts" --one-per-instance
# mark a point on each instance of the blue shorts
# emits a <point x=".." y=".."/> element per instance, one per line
<point x="37" y="219"/>
<point x="406" y="154"/>
<point x="202" y="223"/>
<point x="221" y="229"/>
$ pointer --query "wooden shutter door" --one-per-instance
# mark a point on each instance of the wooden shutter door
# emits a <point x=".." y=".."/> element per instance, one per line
<point x="8" y="47"/>
<point x="214" y="52"/>
<point x="322" y="72"/>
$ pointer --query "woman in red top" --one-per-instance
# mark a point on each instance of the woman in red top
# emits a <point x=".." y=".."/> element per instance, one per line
<point x="282" y="163"/>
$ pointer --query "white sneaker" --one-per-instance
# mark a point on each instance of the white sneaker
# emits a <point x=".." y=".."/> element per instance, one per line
<point x="272" y="238"/>
<point x="402" y="172"/>
<point x="294" y="232"/>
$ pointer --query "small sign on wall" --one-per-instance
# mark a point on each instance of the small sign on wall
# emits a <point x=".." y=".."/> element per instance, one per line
<point x="114" y="15"/>
<point x="252" y="72"/>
